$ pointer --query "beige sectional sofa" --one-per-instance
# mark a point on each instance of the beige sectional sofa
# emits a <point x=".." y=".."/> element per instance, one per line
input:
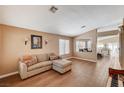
<point x="40" y="63"/>
<point x="43" y="64"/>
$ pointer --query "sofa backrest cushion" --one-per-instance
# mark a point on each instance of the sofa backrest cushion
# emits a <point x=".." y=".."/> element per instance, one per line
<point x="42" y="57"/>
<point x="27" y="57"/>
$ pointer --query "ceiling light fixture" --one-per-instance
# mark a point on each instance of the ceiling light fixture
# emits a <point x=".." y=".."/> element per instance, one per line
<point x="83" y="26"/>
<point x="53" y="9"/>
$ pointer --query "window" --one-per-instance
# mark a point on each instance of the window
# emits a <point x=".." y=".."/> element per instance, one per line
<point x="89" y="45"/>
<point x="79" y="45"/>
<point x="63" y="46"/>
<point x="84" y="45"/>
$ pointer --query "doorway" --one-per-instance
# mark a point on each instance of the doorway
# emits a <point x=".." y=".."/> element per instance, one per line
<point x="108" y="47"/>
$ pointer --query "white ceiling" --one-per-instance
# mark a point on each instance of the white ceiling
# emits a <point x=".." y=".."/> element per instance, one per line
<point x="66" y="21"/>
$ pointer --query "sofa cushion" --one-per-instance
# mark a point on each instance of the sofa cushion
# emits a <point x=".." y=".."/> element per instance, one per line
<point x="42" y="57"/>
<point x="39" y="65"/>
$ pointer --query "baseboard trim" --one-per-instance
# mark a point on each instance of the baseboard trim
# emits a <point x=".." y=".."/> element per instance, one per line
<point x="68" y="58"/>
<point x="9" y="74"/>
<point x="82" y="59"/>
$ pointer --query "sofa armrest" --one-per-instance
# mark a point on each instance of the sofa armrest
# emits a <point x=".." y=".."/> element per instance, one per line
<point x="22" y="69"/>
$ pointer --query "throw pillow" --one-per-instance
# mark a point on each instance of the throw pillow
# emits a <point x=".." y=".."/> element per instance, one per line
<point x="54" y="57"/>
<point x="27" y="57"/>
<point x="29" y="61"/>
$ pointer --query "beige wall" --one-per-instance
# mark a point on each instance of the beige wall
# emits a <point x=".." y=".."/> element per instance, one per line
<point x="92" y="56"/>
<point x="0" y="49"/>
<point x="13" y="46"/>
<point x="121" y="58"/>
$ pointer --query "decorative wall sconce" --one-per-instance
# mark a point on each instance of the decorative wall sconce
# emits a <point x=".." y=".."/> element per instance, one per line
<point x="46" y="42"/>
<point x="26" y="41"/>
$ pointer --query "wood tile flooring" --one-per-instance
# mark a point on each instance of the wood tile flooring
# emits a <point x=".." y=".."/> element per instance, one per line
<point x="83" y="74"/>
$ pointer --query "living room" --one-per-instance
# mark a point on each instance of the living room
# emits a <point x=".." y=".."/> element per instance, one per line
<point x="63" y="37"/>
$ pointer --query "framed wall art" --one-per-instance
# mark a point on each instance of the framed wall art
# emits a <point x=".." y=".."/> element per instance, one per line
<point x="36" y="42"/>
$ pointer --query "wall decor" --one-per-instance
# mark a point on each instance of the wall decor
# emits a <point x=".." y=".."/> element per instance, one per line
<point x="46" y="42"/>
<point x="36" y="42"/>
<point x="26" y="41"/>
